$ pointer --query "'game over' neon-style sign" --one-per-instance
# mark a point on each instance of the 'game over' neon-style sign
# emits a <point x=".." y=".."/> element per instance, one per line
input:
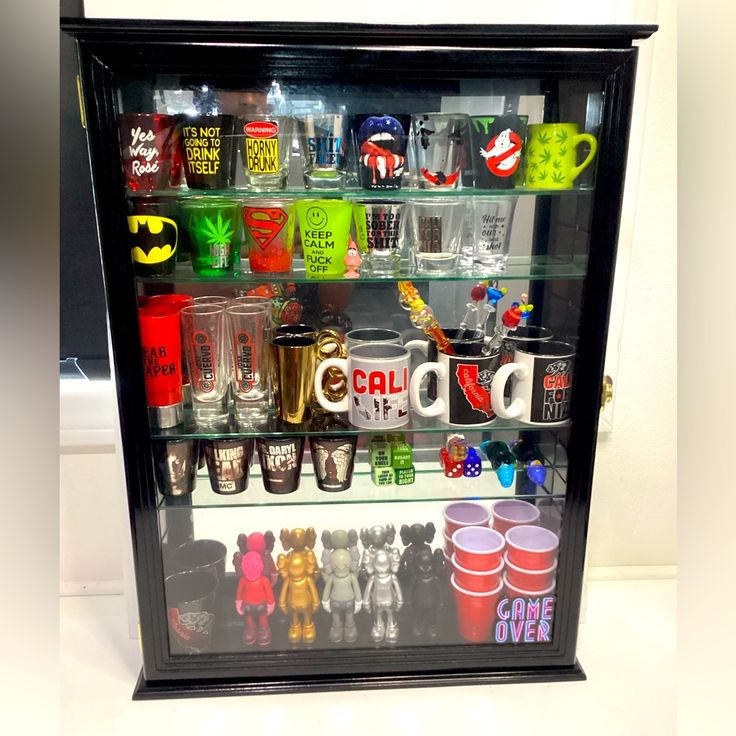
<point x="524" y="620"/>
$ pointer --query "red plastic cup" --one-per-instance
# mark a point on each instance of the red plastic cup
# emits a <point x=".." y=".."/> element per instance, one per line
<point x="535" y="580"/>
<point x="477" y="582"/>
<point x="464" y="513"/>
<point x="513" y="512"/>
<point x="449" y="546"/>
<point x="476" y="612"/>
<point x="478" y="548"/>
<point x="531" y="547"/>
<point x="513" y="592"/>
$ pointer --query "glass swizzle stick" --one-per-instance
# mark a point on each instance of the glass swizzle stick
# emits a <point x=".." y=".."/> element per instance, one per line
<point x="421" y="316"/>
<point x="510" y="320"/>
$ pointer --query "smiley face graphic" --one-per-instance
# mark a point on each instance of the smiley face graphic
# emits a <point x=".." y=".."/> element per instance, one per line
<point x="316" y="217"/>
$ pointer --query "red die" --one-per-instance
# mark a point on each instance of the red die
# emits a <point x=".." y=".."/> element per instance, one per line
<point x="451" y="468"/>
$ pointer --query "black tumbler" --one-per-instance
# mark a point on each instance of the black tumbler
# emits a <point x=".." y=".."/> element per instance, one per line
<point x="228" y="463"/>
<point x="175" y="466"/>
<point x="333" y="459"/>
<point x="281" y="462"/>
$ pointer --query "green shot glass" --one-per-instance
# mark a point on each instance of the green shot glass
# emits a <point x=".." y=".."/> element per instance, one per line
<point x="324" y="226"/>
<point x="213" y="226"/>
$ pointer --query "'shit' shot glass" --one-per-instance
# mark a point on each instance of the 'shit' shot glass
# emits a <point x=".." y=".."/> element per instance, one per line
<point x="323" y="147"/>
<point x="379" y="226"/>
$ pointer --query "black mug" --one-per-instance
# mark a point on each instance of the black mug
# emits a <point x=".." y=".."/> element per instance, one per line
<point x="497" y="148"/>
<point x="472" y="341"/>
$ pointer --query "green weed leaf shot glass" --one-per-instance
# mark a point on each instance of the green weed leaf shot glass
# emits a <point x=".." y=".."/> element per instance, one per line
<point x="213" y="224"/>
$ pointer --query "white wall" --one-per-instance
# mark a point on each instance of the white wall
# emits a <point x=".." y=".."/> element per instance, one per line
<point x="633" y="512"/>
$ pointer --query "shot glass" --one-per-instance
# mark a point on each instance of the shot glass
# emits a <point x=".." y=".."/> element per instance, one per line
<point x="281" y="462"/>
<point x="268" y="225"/>
<point x="206" y="144"/>
<point x="379" y="226"/>
<point x="295" y="360"/>
<point x="213" y="224"/>
<point x="492" y="219"/>
<point x="333" y="459"/>
<point x="228" y="464"/>
<point x="436" y="233"/>
<point x="266" y="151"/>
<point x="175" y="466"/>
<point x="249" y="332"/>
<point x="324" y="226"/>
<point x="147" y="144"/>
<point x="323" y="147"/>
<point x="153" y="233"/>
<point x="205" y="345"/>
<point x="380" y="142"/>
<point x="440" y="142"/>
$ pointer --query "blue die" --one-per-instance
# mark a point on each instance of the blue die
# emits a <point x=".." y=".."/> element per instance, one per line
<point x="472" y="464"/>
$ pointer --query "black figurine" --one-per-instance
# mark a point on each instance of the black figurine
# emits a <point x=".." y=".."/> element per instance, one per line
<point x="426" y="591"/>
<point x="414" y="538"/>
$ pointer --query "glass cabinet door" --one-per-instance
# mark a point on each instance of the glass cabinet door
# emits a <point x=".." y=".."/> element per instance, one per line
<point x="363" y="290"/>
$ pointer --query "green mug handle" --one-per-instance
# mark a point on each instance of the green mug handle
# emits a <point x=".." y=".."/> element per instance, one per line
<point x="576" y="141"/>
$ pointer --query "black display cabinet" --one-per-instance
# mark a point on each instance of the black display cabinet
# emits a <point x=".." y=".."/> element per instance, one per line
<point x="562" y="254"/>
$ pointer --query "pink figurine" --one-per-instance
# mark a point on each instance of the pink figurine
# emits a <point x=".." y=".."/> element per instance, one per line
<point x="254" y="598"/>
<point x="352" y="261"/>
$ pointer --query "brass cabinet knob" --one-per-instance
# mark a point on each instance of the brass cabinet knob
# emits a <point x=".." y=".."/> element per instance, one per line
<point x="606" y="391"/>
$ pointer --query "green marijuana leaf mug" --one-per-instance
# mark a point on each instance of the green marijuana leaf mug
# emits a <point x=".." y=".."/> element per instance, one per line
<point x="551" y="155"/>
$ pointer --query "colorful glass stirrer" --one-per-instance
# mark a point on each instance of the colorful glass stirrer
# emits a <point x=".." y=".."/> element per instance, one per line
<point x="510" y="320"/>
<point x="421" y="316"/>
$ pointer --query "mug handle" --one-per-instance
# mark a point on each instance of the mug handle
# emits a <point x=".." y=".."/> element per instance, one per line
<point x="516" y="407"/>
<point x="324" y="402"/>
<point x="420" y="345"/>
<point x="330" y="345"/>
<point x="576" y="141"/>
<point x="438" y="405"/>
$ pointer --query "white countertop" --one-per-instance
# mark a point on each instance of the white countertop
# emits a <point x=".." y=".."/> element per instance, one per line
<point x="627" y="647"/>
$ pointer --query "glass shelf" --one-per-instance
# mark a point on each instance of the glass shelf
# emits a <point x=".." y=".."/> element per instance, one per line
<point x="331" y="424"/>
<point x="519" y="268"/>
<point x="433" y="487"/>
<point x="352" y="192"/>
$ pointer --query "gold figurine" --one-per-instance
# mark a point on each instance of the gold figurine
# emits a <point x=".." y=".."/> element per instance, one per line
<point x="299" y="598"/>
